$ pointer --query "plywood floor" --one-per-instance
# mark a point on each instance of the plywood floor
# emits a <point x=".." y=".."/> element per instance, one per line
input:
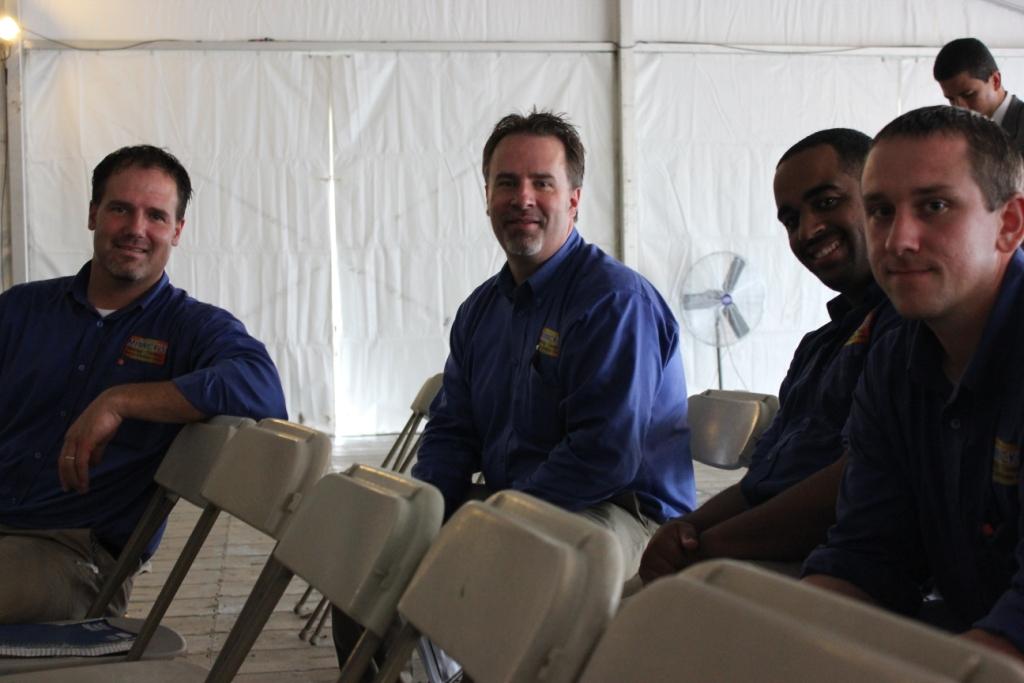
<point x="228" y="565"/>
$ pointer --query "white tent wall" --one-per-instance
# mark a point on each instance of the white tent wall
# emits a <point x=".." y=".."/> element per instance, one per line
<point x="339" y="208"/>
<point x="413" y="238"/>
<point x="252" y="130"/>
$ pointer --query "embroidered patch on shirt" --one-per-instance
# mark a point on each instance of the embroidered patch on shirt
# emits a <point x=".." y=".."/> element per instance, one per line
<point x="862" y="335"/>
<point x="1005" y="463"/>
<point x="548" y="344"/>
<point x="145" y="350"/>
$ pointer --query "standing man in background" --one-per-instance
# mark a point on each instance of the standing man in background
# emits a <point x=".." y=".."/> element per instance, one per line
<point x="970" y="78"/>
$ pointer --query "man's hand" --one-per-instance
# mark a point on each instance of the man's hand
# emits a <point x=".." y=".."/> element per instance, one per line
<point x="673" y="547"/>
<point x="85" y="440"/>
<point x="96" y="426"/>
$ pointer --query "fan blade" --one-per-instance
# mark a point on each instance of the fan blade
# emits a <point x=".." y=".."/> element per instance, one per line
<point x="736" y="322"/>
<point x="706" y="299"/>
<point x="735" y="268"/>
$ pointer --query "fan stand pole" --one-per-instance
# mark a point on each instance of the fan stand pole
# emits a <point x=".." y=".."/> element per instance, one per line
<point x="718" y="350"/>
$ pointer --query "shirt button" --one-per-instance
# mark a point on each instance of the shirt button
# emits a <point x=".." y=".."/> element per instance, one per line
<point x="954" y="423"/>
<point x="81" y="367"/>
<point x="63" y="413"/>
<point x="37" y="455"/>
<point x="99" y="323"/>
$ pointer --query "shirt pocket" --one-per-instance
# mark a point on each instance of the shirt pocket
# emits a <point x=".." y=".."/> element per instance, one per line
<point x="537" y="411"/>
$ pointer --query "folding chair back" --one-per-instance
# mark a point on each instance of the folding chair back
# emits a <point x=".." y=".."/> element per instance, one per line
<point x="182" y="472"/>
<point x="725" y="425"/>
<point x="513" y="589"/>
<point x="357" y="538"/>
<point x="679" y="629"/>
<point x="193" y="454"/>
<point x="859" y="623"/>
<point x="403" y="451"/>
<point x="264" y="471"/>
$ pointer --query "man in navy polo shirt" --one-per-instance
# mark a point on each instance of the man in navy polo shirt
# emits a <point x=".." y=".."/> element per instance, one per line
<point x="783" y="506"/>
<point x="97" y="374"/>
<point x="931" y="490"/>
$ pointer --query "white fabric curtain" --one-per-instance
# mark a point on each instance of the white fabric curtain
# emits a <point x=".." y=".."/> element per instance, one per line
<point x="413" y="236"/>
<point x="339" y="207"/>
<point x="251" y="128"/>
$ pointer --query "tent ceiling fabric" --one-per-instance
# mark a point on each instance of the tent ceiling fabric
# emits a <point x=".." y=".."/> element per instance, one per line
<point x="848" y="23"/>
<point x="353" y="279"/>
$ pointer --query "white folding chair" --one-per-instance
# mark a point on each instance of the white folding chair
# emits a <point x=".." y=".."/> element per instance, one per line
<point x="404" y="449"/>
<point x="357" y="537"/>
<point x="679" y="629"/>
<point x="515" y="589"/>
<point x="398" y="459"/>
<point x="181" y="474"/>
<point x="725" y="425"/>
<point x="859" y="624"/>
<point x="260" y="478"/>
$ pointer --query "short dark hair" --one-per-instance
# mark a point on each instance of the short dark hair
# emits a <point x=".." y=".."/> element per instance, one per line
<point x="996" y="165"/>
<point x="964" y="54"/>
<point x="540" y="123"/>
<point x="142" y="156"/>
<point x="851" y="146"/>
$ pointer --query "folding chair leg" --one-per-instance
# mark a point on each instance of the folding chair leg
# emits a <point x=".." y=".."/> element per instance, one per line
<point x="398" y="447"/>
<point x="174" y="579"/>
<point x="398" y="655"/>
<point x="160" y="506"/>
<point x="315" y="638"/>
<point x="360" y="659"/>
<point x="265" y="595"/>
<point x="302" y="601"/>
<point x="321" y="607"/>
<point x="410" y="455"/>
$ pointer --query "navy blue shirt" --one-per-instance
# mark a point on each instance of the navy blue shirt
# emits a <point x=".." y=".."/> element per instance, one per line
<point x="569" y="387"/>
<point x="932" y="485"/>
<point x="57" y="354"/>
<point x="806" y="434"/>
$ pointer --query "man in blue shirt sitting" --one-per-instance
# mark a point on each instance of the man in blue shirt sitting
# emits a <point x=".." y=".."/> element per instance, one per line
<point x="97" y="374"/>
<point x="564" y="378"/>
<point x="931" y="494"/>
<point x="781" y="509"/>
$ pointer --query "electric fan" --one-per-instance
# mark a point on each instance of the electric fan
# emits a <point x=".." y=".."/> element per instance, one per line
<point x="722" y="301"/>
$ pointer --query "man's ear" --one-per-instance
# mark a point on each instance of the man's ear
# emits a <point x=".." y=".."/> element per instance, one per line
<point x="574" y="202"/>
<point x="997" y="80"/>
<point x="1011" y="230"/>
<point x="92" y="215"/>
<point x="178" y="227"/>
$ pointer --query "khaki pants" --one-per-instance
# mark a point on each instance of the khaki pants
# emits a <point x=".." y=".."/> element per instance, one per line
<point x="53" y="575"/>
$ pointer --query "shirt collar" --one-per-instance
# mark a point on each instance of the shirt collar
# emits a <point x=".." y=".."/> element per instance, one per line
<point x="840" y="306"/>
<point x="1000" y="113"/>
<point x="541" y="279"/>
<point x="78" y="289"/>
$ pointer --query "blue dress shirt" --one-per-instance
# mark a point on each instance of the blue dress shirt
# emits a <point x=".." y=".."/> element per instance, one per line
<point x="569" y="387"/>
<point x="57" y="354"/>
